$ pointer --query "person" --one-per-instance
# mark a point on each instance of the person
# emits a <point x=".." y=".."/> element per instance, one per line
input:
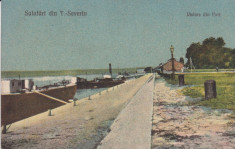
<point x="217" y="69"/>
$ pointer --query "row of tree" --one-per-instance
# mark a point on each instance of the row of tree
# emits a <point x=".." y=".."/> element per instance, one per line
<point x="211" y="53"/>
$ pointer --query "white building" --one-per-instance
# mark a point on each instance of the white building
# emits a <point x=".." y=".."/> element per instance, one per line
<point x="14" y="86"/>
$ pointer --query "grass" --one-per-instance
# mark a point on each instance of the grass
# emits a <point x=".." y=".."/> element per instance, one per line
<point x="208" y="70"/>
<point x="193" y="91"/>
<point x="225" y="86"/>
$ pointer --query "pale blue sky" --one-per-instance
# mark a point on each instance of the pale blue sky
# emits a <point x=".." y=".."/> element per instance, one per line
<point x="125" y="33"/>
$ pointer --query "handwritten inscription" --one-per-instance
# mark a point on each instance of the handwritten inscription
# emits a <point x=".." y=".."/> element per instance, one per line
<point x="54" y="13"/>
<point x="204" y="14"/>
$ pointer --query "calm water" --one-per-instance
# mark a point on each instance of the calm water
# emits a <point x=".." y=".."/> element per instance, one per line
<point x="82" y="93"/>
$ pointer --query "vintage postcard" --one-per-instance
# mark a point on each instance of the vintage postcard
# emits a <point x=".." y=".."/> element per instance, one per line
<point x="111" y="74"/>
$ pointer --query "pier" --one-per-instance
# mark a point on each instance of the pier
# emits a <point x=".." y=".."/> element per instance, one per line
<point x="132" y="128"/>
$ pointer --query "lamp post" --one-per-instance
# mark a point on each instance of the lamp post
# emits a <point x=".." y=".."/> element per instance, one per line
<point x="172" y="60"/>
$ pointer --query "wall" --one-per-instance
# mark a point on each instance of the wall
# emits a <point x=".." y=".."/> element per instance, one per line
<point x="16" y="87"/>
<point x="5" y="86"/>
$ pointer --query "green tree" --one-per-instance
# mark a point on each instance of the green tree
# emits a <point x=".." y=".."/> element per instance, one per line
<point x="210" y="54"/>
<point x="182" y="60"/>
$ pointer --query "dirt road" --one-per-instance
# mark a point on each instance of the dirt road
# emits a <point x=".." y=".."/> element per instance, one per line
<point x="176" y="125"/>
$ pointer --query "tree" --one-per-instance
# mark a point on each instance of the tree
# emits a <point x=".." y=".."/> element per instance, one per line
<point x="182" y="60"/>
<point x="211" y="54"/>
<point x="233" y="58"/>
<point x="193" y="52"/>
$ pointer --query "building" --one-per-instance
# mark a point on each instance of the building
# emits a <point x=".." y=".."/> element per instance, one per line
<point x="14" y="86"/>
<point x="148" y="70"/>
<point x="168" y="66"/>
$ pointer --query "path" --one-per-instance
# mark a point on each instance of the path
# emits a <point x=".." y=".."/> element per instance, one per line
<point x="176" y="125"/>
<point x="132" y="128"/>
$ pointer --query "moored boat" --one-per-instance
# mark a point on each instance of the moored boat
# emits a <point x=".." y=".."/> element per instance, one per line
<point x="24" y="102"/>
<point x="97" y="83"/>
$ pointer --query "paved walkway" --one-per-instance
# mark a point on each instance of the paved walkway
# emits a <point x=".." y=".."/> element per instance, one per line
<point x="132" y="128"/>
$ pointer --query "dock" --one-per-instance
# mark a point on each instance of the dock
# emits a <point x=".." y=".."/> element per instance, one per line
<point x="89" y="121"/>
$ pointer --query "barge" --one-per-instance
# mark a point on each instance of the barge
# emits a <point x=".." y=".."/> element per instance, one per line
<point x="97" y="83"/>
<point x="105" y="82"/>
<point x="26" y="100"/>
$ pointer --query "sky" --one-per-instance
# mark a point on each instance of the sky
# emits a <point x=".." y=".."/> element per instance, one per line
<point x="125" y="33"/>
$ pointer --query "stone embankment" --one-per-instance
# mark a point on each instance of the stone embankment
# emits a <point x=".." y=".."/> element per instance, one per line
<point x="132" y="128"/>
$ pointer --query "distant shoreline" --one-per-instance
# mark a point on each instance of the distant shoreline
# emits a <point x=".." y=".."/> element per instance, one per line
<point x="7" y="74"/>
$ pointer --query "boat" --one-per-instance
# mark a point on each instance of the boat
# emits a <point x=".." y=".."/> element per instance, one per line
<point x="105" y="82"/>
<point x="24" y="100"/>
<point x="98" y="83"/>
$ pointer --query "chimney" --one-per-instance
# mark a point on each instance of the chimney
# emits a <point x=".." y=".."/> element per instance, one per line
<point x="110" y="69"/>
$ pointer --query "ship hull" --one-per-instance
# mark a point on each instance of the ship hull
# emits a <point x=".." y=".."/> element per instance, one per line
<point x="15" y="107"/>
<point x="91" y="85"/>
